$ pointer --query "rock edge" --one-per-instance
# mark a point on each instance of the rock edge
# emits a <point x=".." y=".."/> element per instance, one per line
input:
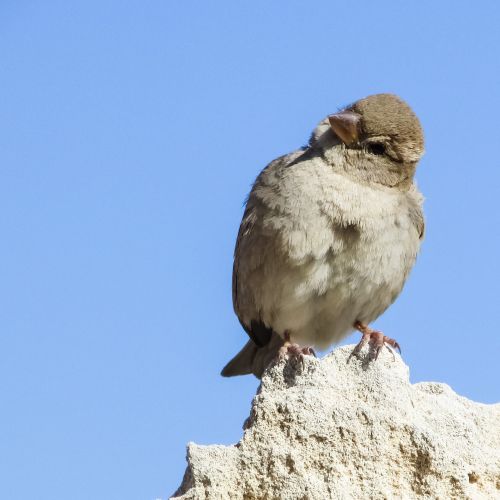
<point x="335" y="429"/>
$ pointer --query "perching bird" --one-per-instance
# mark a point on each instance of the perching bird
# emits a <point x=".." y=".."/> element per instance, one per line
<point x="329" y="235"/>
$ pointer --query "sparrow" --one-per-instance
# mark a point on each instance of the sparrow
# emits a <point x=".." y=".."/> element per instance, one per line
<point x="329" y="235"/>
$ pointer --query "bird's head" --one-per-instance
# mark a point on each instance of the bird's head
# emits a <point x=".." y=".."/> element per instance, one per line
<point x="377" y="139"/>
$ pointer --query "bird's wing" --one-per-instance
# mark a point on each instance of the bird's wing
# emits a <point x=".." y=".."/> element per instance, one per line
<point x="416" y="213"/>
<point x="248" y="244"/>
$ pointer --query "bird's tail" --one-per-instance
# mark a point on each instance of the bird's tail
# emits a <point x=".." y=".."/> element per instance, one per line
<point x="253" y="359"/>
<point x="242" y="363"/>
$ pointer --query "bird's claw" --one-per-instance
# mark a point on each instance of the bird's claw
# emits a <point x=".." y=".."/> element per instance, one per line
<point x="377" y="341"/>
<point x="295" y="351"/>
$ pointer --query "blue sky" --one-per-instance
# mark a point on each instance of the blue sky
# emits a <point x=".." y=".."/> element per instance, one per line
<point x="130" y="133"/>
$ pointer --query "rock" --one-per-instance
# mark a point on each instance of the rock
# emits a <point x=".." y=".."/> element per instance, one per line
<point x="332" y="429"/>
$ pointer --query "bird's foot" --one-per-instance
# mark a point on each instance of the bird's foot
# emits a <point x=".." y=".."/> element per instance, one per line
<point x="293" y="350"/>
<point x="377" y="340"/>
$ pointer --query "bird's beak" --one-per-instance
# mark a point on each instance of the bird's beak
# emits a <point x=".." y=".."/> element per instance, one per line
<point x="345" y="125"/>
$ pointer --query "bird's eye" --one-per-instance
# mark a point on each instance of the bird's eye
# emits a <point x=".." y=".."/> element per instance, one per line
<point x="376" y="148"/>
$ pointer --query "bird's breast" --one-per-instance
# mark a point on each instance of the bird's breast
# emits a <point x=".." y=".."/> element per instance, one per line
<point x="323" y="253"/>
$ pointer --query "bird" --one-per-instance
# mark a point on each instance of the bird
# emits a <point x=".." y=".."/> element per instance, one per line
<point x="329" y="235"/>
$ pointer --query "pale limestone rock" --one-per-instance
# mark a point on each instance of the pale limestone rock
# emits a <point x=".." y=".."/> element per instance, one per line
<point x="331" y="429"/>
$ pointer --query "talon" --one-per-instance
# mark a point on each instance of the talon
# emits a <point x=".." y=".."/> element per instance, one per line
<point x="377" y="341"/>
<point x="392" y="343"/>
<point x="391" y="351"/>
<point x="309" y="351"/>
<point x="296" y="351"/>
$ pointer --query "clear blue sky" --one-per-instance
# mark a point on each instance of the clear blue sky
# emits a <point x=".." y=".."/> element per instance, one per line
<point x="130" y="133"/>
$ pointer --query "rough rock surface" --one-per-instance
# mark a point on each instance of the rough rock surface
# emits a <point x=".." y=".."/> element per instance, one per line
<point x="331" y="429"/>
